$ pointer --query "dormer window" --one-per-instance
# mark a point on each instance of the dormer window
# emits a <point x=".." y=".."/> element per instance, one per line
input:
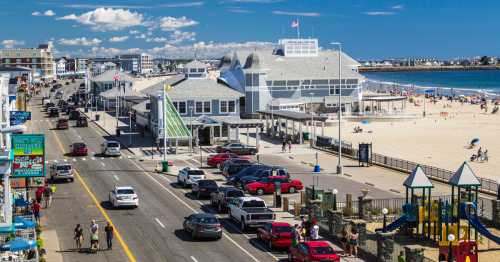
<point x="192" y="70"/>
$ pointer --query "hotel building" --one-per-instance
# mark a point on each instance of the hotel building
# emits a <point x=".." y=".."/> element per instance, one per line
<point x="39" y="59"/>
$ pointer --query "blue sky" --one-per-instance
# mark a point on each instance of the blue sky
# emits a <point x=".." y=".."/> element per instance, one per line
<point x="368" y="29"/>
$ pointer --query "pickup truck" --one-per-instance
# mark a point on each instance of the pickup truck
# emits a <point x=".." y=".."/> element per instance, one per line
<point x="223" y="196"/>
<point x="250" y="212"/>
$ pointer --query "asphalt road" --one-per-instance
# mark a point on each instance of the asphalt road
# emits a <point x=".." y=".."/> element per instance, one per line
<point x="151" y="232"/>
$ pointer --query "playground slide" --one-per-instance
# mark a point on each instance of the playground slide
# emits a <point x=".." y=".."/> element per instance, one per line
<point x="476" y="224"/>
<point x="396" y="224"/>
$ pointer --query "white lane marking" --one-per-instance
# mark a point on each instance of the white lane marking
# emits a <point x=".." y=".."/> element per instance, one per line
<point x="102" y="163"/>
<point x="116" y="178"/>
<point x="65" y="160"/>
<point x="199" y="202"/>
<point x="93" y="158"/>
<point x="159" y="222"/>
<point x="102" y="158"/>
<point x="195" y="211"/>
<point x="84" y="159"/>
<point x="194" y="259"/>
<point x="74" y="159"/>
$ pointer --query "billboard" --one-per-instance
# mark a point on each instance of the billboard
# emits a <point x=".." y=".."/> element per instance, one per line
<point x="19" y="117"/>
<point x="29" y="155"/>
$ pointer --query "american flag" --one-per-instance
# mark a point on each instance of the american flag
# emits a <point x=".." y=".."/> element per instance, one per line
<point x="295" y="23"/>
<point x="116" y="77"/>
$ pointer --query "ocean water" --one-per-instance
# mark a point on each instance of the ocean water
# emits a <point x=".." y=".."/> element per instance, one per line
<point x="476" y="79"/>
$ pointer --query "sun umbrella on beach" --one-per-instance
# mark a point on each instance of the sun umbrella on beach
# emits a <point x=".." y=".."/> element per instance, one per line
<point x="474" y="141"/>
<point x="365" y="122"/>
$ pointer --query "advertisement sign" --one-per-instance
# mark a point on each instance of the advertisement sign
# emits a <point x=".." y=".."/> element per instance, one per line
<point x="29" y="155"/>
<point x="19" y="117"/>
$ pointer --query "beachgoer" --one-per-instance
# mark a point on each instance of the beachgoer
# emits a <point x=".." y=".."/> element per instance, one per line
<point x="36" y="211"/>
<point x="344" y="239"/>
<point x="109" y="235"/>
<point x="353" y="242"/>
<point x="78" y="236"/>
<point x="485" y="155"/>
<point x="94" y="236"/>
<point x="315" y="232"/>
<point x="479" y="152"/>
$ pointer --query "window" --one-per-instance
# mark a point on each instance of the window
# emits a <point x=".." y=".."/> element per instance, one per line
<point x="227" y="106"/>
<point x="201" y="70"/>
<point x="192" y="70"/>
<point x="180" y="107"/>
<point x="248" y="79"/>
<point x="203" y="107"/>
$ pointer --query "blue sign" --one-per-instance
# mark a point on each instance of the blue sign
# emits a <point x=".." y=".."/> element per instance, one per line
<point x="19" y="117"/>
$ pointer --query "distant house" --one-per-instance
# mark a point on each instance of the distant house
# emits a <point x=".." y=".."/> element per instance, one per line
<point x="61" y="67"/>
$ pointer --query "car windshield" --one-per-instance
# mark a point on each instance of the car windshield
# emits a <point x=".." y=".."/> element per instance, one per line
<point x="113" y="144"/>
<point x="207" y="220"/>
<point x="240" y="161"/>
<point x="235" y="193"/>
<point x="196" y="172"/>
<point x="322" y="250"/>
<point x="64" y="168"/>
<point x="79" y="145"/>
<point x="125" y="191"/>
<point x="207" y="183"/>
<point x="282" y="229"/>
<point x="254" y="203"/>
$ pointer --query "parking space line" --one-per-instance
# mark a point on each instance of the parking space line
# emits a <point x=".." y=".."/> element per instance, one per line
<point x="116" y="178"/>
<point x="159" y="222"/>
<point x="84" y="159"/>
<point x="102" y="163"/>
<point x="194" y="259"/>
<point x="199" y="202"/>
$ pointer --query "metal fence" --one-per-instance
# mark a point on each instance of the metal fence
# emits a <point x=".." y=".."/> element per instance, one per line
<point x="488" y="186"/>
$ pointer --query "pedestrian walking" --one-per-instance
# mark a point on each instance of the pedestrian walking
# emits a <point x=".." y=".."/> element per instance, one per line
<point x="314" y="232"/>
<point x="47" y="195"/>
<point x="109" y="235"/>
<point x="94" y="236"/>
<point x="485" y="155"/>
<point x="39" y="194"/>
<point x="283" y="146"/>
<point x="296" y="235"/>
<point x="353" y="242"/>
<point x="344" y="239"/>
<point x="401" y="257"/>
<point x="289" y="145"/>
<point x="78" y="236"/>
<point x="36" y="211"/>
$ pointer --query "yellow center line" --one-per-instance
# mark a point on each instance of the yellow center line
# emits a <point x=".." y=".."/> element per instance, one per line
<point x="125" y="247"/>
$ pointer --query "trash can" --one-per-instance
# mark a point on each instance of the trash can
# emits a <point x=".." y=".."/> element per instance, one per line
<point x="118" y="132"/>
<point x="97" y="117"/>
<point x="305" y="135"/>
<point x="164" y="166"/>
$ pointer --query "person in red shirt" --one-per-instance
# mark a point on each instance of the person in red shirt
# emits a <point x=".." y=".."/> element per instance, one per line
<point x="39" y="194"/>
<point x="36" y="211"/>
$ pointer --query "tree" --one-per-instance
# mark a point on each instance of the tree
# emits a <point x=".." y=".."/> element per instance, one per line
<point x="484" y="60"/>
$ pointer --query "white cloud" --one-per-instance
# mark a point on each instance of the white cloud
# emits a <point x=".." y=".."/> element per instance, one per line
<point x="169" y="23"/>
<point x="157" y="40"/>
<point x="206" y="50"/>
<point x="170" y="5"/>
<point x="46" y="13"/>
<point x="141" y="36"/>
<point x="133" y="32"/>
<point x="186" y="4"/>
<point x="10" y="43"/>
<point x="379" y="13"/>
<point x="103" y="51"/>
<point x="107" y="19"/>
<point x="80" y="41"/>
<point x="309" y="14"/>
<point x="116" y="39"/>
<point x="398" y="7"/>
<point x="49" y="13"/>
<point x="176" y="37"/>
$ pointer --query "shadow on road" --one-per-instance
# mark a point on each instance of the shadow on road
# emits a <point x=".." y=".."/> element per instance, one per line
<point x="186" y="236"/>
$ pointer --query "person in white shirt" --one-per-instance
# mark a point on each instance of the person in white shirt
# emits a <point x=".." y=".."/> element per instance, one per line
<point x="315" y="232"/>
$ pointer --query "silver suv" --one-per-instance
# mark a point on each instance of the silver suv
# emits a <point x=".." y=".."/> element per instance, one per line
<point x="110" y="148"/>
<point x="61" y="171"/>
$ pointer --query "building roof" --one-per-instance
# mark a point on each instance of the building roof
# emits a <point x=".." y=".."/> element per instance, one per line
<point x="190" y="88"/>
<point x="15" y="69"/>
<point x="195" y="64"/>
<point x="418" y="179"/>
<point x="464" y="176"/>
<point x="115" y="91"/>
<point x="141" y="107"/>
<point x="296" y="116"/>
<point x="278" y="67"/>
<point x="155" y="88"/>
<point x="108" y="76"/>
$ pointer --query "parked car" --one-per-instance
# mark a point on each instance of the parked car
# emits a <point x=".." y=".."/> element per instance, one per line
<point x="230" y="161"/>
<point x="61" y="172"/>
<point x="188" y="175"/>
<point x="74" y="115"/>
<point x="221" y="198"/>
<point x="261" y="173"/>
<point x="276" y="234"/>
<point x="218" y="159"/>
<point x="267" y="185"/>
<point x="82" y="122"/>
<point x="233" y="168"/>
<point x="203" y="188"/>
<point x="248" y="171"/>
<point x="62" y="123"/>
<point x="123" y="196"/>
<point x="313" y="251"/>
<point x="250" y="212"/>
<point x="70" y="109"/>
<point x="78" y="149"/>
<point x="110" y="148"/>
<point x="48" y="105"/>
<point x="237" y="148"/>
<point x="53" y="112"/>
<point x="203" y="225"/>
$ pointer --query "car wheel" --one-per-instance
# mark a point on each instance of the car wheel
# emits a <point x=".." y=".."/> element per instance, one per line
<point x="260" y="191"/>
<point x="292" y="190"/>
<point x="198" y="195"/>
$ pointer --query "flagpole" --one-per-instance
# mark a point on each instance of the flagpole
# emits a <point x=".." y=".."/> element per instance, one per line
<point x="164" y="125"/>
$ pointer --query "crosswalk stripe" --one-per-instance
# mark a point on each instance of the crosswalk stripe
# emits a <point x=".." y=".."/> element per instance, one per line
<point x="74" y="160"/>
<point x="84" y="159"/>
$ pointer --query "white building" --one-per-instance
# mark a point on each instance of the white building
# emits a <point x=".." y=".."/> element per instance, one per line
<point x="39" y="59"/>
<point x="61" y="67"/>
<point x="146" y="64"/>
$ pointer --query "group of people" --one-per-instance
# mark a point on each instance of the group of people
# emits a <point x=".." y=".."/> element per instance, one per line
<point x="286" y="142"/>
<point x="480" y="156"/>
<point x="349" y="240"/>
<point x="44" y="193"/>
<point x="307" y="231"/>
<point x="358" y="129"/>
<point x="94" y="236"/>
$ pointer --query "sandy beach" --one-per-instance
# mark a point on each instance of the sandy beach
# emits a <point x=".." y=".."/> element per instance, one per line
<point x="436" y="139"/>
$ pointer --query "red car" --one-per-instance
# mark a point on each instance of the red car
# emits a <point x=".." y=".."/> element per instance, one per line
<point x="313" y="251"/>
<point x="266" y="185"/>
<point x="276" y="234"/>
<point x="218" y="159"/>
<point x="78" y="149"/>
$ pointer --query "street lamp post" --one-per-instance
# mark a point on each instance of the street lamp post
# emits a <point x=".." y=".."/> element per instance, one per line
<point x="384" y="225"/>
<point x="339" y="165"/>
<point x="451" y="238"/>
<point x="335" y="192"/>
<point x="191" y="126"/>
<point x="311" y="111"/>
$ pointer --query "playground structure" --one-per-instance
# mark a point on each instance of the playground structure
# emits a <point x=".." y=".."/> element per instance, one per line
<point x="437" y="220"/>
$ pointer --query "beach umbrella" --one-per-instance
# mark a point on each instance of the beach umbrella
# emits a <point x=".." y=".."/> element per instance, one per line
<point x="474" y="141"/>
<point x="23" y="223"/>
<point x="18" y="244"/>
<point x="365" y="122"/>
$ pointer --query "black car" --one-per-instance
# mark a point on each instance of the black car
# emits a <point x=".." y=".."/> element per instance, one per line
<point x="237" y="148"/>
<point x="248" y="171"/>
<point x="204" y="187"/>
<point x="49" y="105"/>
<point x="233" y="168"/>
<point x="53" y="112"/>
<point x="82" y="122"/>
<point x="74" y="115"/>
<point x="275" y="171"/>
<point x="234" y="161"/>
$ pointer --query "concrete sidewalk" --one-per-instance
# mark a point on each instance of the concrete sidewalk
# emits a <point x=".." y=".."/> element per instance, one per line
<point x="50" y="240"/>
